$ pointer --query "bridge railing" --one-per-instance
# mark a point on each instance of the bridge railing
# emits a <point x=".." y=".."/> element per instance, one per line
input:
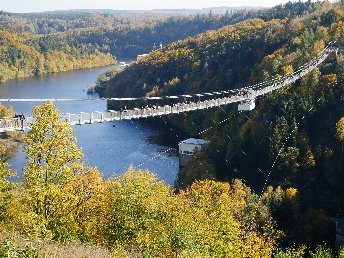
<point x="239" y="95"/>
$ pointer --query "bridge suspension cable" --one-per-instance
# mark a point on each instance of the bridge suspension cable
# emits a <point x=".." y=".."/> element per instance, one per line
<point x="246" y="96"/>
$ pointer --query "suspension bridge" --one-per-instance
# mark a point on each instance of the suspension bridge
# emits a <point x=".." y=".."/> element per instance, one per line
<point x="185" y="103"/>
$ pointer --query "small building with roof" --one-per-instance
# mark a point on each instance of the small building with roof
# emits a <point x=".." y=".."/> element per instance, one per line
<point x="246" y="105"/>
<point x="187" y="149"/>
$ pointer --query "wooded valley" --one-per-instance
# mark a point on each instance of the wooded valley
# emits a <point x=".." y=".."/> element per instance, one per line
<point x="268" y="182"/>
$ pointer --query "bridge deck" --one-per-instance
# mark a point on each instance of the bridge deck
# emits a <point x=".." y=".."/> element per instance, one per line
<point x="12" y="124"/>
<point x="240" y="95"/>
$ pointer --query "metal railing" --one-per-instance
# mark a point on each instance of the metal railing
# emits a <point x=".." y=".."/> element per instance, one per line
<point x="250" y="92"/>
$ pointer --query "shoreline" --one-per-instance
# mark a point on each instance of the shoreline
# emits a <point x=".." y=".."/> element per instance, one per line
<point x="52" y="73"/>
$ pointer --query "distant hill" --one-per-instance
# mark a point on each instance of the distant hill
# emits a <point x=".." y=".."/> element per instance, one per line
<point x="215" y="10"/>
<point x="126" y="34"/>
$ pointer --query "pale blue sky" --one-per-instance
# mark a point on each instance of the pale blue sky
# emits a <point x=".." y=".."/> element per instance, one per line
<point x="48" y="5"/>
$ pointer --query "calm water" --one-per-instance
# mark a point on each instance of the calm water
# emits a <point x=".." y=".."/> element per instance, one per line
<point x="111" y="147"/>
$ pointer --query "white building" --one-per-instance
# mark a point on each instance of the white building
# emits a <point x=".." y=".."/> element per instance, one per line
<point x="123" y="64"/>
<point x="247" y="105"/>
<point x="187" y="149"/>
<point x="139" y="57"/>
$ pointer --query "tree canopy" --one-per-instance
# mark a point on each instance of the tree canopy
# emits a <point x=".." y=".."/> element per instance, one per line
<point x="305" y="113"/>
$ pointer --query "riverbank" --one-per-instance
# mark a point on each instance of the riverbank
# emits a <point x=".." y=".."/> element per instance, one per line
<point x="12" y="74"/>
<point x="111" y="147"/>
<point x="24" y="55"/>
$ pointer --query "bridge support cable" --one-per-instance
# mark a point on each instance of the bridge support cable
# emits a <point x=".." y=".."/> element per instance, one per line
<point x="160" y="153"/>
<point x="199" y="133"/>
<point x="13" y="124"/>
<point x="246" y="96"/>
<point x="272" y="167"/>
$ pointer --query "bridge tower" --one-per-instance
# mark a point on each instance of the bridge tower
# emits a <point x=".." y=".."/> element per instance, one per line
<point x="333" y="51"/>
<point x="332" y="55"/>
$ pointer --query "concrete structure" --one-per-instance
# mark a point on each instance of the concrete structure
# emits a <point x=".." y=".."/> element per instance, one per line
<point x="139" y="57"/>
<point x="339" y="222"/>
<point x="247" y="105"/>
<point x="123" y="64"/>
<point x="187" y="149"/>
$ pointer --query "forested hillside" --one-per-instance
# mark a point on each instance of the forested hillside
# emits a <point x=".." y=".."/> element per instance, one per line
<point x="62" y="208"/>
<point x="293" y="141"/>
<point x="122" y="35"/>
<point x="128" y="34"/>
<point x="23" y="55"/>
<point x="300" y="128"/>
<point x="75" y="40"/>
<point x="86" y="40"/>
<point x="47" y="23"/>
<point x="131" y="35"/>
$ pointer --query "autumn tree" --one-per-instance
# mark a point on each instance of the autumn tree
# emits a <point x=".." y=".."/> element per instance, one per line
<point x="5" y="184"/>
<point x="340" y="130"/>
<point x="199" y="168"/>
<point x="211" y="219"/>
<point x="55" y="187"/>
<point x="6" y="111"/>
<point x="309" y="160"/>
<point x="291" y="252"/>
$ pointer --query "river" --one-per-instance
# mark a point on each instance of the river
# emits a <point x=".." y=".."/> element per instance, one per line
<point x="111" y="147"/>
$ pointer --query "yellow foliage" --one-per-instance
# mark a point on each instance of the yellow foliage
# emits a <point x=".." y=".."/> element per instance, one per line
<point x="327" y="81"/>
<point x="309" y="159"/>
<point x="257" y="247"/>
<point x="32" y="61"/>
<point x="319" y="45"/>
<point x="206" y="221"/>
<point x="134" y="213"/>
<point x="297" y="41"/>
<point x="291" y="192"/>
<point x="340" y="129"/>
<point x="288" y="69"/>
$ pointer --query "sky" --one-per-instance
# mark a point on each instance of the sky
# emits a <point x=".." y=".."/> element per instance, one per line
<point x="50" y="5"/>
